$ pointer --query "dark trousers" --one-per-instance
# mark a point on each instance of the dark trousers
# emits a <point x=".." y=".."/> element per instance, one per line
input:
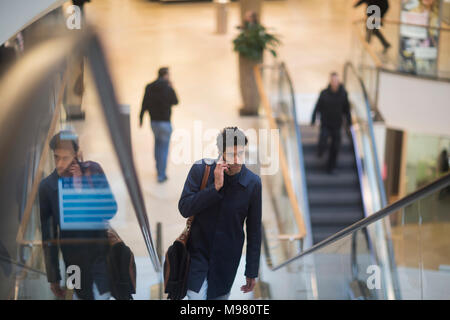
<point x="335" y="135"/>
<point x="377" y="34"/>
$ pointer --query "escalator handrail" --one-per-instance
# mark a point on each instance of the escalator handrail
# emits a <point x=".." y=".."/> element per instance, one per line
<point x="298" y="214"/>
<point x="107" y="96"/>
<point x="300" y="149"/>
<point x="394" y="207"/>
<point x="349" y="66"/>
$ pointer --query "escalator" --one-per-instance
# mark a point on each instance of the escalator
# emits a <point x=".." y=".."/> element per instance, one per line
<point x="355" y="190"/>
<point x="328" y="202"/>
<point x="361" y="248"/>
<point x="334" y="199"/>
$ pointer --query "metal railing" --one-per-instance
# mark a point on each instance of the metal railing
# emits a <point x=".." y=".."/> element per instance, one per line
<point x="279" y="109"/>
<point x="369" y="59"/>
<point x="392" y="60"/>
<point x="392" y="208"/>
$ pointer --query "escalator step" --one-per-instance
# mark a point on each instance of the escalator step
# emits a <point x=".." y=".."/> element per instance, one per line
<point x="345" y="160"/>
<point x="327" y="189"/>
<point x="321" y="179"/>
<point x="310" y="146"/>
<point x="335" y="217"/>
<point x="336" y="198"/>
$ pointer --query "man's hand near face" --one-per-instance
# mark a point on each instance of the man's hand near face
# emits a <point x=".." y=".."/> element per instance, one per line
<point x="221" y="166"/>
<point x="75" y="170"/>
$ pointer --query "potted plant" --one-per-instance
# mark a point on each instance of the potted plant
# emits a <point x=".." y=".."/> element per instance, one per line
<point x="250" y="45"/>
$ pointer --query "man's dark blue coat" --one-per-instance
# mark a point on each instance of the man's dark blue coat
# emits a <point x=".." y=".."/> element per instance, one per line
<point x="217" y="233"/>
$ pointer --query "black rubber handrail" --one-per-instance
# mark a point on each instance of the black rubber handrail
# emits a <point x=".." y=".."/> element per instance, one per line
<point x="108" y="99"/>
<point x="349" y="68"/>
<point x="403" y="202"/>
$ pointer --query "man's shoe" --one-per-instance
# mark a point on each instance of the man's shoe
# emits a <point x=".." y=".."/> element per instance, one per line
<point x="162" y="180"/>
<point x="247" y="113"/>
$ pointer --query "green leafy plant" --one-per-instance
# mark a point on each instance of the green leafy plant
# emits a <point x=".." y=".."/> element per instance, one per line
<point x="253" y="40"/>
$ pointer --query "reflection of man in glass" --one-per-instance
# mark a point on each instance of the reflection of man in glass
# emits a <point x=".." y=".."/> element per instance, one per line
<point x="75" y="206"/>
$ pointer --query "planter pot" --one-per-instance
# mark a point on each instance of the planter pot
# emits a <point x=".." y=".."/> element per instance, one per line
<point x="249" y="90"/>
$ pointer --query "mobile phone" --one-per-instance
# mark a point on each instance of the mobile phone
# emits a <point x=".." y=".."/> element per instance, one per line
<point x="67" y="172"/>
<point x="225" y="162"/>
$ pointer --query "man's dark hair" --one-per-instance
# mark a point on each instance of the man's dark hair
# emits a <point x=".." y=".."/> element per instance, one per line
<point x="63" y="136"/>
<point x="333" y="74"/>
<point x="162" y="72"/>
<point x="230" y="136"/>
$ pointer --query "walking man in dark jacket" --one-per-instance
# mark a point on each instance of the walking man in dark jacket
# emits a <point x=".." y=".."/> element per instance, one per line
<point x="76" y="204"/>
<point x="232" y="195"/>
<point x="332" y="106"/>
<point x="384" y="6"/>
<point x="158" y="100"/>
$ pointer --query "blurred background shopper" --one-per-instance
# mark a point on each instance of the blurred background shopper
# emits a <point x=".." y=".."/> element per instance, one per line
<point x="384" y="6"/>
<point x="158" y="100"/>
<point x="332" y="105"/>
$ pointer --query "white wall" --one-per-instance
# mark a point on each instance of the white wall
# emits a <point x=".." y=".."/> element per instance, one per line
<point x="415" y="104"/>
<point x="15" y="15"/>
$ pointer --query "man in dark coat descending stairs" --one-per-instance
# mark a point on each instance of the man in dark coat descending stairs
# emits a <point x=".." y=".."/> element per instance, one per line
<point x="332" y="106"/>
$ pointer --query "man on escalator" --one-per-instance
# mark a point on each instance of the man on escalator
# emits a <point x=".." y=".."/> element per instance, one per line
<point x="332" y="106"/>
<point x="231" y="197"/>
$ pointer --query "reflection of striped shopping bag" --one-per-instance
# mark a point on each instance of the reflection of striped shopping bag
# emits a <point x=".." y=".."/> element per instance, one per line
<point x="87" y="208"/>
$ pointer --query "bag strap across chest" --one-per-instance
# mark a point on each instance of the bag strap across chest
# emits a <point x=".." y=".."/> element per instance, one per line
<point x="187" y="231"/>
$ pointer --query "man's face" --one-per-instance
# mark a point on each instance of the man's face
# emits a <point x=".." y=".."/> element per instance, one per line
<point x="234" y="156"/>
<point x="250" y="17"/>
<point x="166" y="76"/>
<point x="63" y="159"/>
<point x="334" y="82"/>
